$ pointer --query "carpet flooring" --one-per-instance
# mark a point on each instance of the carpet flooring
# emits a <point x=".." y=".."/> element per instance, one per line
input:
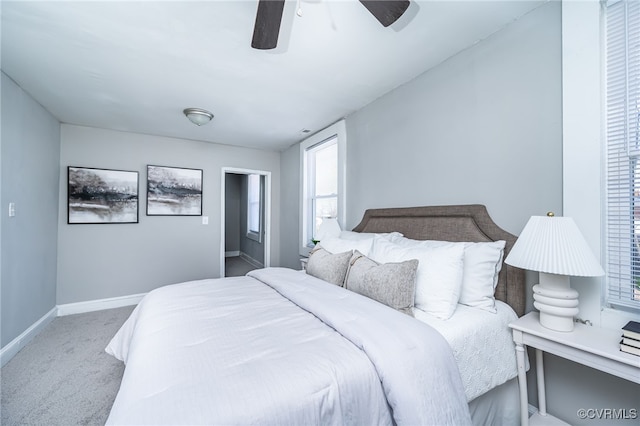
<point x="63" y="376"/>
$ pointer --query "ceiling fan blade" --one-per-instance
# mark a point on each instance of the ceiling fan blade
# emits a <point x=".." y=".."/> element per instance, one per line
<point x="267" y="27"/>
<point x="386" y="11"/>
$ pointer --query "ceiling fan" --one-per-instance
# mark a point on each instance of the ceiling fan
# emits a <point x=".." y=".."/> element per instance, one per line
<point x="269" y="17"/>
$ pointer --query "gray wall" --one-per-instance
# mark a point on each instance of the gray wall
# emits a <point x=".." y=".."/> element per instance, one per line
<point x="103" y="261"/>
<point x="483" y="127"/>
<point x="29" y="152"/>
<point x="290" y="207"/>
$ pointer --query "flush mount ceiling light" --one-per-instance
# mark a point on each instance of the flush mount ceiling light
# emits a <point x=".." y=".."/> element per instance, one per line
<point x="198" y="116"/>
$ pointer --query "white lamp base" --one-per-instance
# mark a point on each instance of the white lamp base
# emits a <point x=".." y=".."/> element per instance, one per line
<point x="556" y="301"/>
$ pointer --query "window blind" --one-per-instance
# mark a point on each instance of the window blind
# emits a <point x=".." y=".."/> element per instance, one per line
<point x="622" y="25"/>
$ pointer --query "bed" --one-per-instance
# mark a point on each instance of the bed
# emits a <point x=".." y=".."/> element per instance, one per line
<point x="280" y="346"/>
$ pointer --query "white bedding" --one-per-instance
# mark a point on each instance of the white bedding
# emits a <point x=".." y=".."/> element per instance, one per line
<point x="482" y="345"/>
<point x="247" y="350"/>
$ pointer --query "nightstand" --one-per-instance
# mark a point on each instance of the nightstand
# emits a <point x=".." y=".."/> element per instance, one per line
<point x="595" y="347"/>
<point x="303" y="263"/>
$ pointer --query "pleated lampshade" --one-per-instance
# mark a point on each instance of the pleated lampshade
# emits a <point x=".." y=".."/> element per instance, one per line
<point x="328" y="228"/>
<point x="554" y="245"/>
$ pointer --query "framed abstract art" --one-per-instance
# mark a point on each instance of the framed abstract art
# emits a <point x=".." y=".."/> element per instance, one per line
<point x="101" y="196"/>
<point x="174" y="191"/>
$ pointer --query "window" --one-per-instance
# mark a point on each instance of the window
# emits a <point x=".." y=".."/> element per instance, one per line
<point x="322" y="185"/>
<point x="623" y="152"/>
<point x="254" y="196"/>
<point x="322" y="199"/>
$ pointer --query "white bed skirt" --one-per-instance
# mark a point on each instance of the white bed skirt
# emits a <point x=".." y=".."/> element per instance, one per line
<point x="499" y="406"/>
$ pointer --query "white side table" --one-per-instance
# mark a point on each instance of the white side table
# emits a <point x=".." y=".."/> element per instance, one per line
<point x="303" y="263"/>
<point x="595" y="347"/>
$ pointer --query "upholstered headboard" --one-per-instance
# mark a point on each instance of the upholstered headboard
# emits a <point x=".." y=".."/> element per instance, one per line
<point x="452" y="223"/>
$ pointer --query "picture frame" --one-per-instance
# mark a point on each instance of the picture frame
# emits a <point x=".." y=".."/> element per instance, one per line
<point x="174" y="191"/>
<point x="101" y="196"/>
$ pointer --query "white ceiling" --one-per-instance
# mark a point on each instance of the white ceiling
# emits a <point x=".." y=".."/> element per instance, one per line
<point x="134" y="66"/>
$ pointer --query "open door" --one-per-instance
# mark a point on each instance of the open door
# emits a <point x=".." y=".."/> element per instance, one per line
<point x="246" y="220"/>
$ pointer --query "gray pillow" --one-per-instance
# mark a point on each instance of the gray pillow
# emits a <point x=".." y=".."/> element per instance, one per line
<point x="393" y="284"/>
<point x="329" y="267"/>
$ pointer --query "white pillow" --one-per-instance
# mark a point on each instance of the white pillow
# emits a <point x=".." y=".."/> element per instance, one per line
<point x="482" y="264"/>
<point x="439" y="275"/>
<point x="340" y="245"/>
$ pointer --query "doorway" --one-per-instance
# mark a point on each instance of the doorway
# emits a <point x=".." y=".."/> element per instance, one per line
<point x="246" y="221"/>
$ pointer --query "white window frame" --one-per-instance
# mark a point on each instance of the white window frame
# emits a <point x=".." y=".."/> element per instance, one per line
<point x="254" y="234"/>
<point x="621" y="143"/>
<point x="338" y="131"/>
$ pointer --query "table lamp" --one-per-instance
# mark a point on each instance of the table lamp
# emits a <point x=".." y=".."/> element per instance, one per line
<point x="328" y="228"/>
<point x="554" y="247"/>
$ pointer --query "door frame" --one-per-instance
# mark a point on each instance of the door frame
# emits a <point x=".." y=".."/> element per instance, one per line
<point x="267" y="212"/>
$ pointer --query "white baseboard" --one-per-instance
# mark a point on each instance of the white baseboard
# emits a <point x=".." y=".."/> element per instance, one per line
<point x="13" y="347"/>
<point x="98" y="305"/>
<point x="244" y="256"/>
<point x="251" y="260"/>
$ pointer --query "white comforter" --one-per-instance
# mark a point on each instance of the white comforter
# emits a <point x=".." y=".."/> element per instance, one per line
<point x="280" y="347"/>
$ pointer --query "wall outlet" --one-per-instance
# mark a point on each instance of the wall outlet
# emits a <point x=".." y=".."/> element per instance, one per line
<point x="12" y="209"/>
<point x="205" y="220"/>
